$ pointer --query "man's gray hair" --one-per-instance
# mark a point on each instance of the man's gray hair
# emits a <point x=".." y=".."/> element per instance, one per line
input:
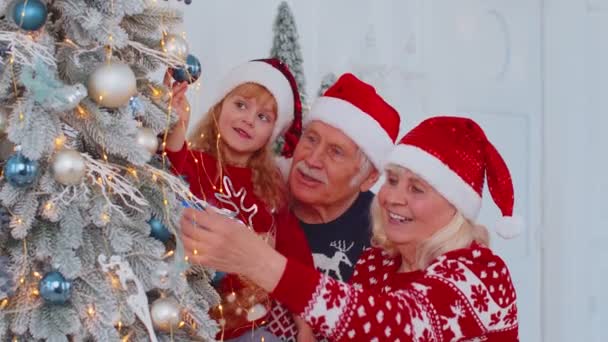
<point x="365" y="166"/>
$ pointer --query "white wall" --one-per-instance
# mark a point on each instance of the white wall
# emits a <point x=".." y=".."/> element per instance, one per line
<point x="575" y="257"/>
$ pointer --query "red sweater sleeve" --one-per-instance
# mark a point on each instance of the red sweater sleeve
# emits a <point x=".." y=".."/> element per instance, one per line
<point x="460" y="296"/>
<point x="180" y="159"/>
<point x="290" y="239"/>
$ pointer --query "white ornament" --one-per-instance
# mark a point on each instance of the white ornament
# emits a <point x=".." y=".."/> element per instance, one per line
<point x="147" y="139"/>
<point x="166" y="314"/>
<point x="68" y="167"/>
<point x="138" y="302"/>
<point x="112" y="85"/>
<point x="175" y="46"/>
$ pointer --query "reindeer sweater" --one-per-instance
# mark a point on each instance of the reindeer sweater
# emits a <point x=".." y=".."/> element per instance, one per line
<point x="464" y="295"/>
<point x="336" y="247"/>
<point x="232" y="188"/>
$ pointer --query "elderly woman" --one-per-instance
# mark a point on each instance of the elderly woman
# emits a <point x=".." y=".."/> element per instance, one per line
<point x="430" y="276"/>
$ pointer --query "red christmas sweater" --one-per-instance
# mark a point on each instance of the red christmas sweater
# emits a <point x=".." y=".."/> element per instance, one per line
<point x="243" y="305"/>
<point x="464" y="295"/>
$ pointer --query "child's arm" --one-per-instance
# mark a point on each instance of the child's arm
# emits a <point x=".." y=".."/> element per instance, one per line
<point x="179" y="103"/>
<point x="305" y="333"/>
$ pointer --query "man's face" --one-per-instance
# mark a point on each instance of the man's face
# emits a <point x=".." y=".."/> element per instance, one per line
<point x="325" y="162"/>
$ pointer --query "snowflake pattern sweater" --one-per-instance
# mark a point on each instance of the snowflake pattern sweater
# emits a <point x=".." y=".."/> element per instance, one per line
<point x="464" y="295"/>
<point x="201" y="171"/>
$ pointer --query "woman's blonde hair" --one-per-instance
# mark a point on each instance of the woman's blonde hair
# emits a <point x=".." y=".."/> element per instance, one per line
<point x="459" y="233"/>
<point x="268" y="183"/>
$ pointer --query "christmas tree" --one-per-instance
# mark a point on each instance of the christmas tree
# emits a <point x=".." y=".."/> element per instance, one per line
<point x="286" y="47"/>
<point x="89" y="212"/>
<point x="327" y="81"/>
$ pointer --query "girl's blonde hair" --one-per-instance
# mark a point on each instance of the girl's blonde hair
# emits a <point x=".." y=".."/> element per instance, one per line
<point x="460" y="233"/>
<point x="268" y="183"/>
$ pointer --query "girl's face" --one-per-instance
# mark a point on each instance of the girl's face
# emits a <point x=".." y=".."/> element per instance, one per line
<point x="246" y="121"/>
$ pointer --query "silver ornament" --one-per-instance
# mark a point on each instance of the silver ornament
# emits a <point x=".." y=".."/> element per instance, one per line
<point x="112" y="85"/>
<point x="166" y="314"/>
<point x="175" y="46"/>
<point x="68" y="167"/>
<point x="147" y="139"/>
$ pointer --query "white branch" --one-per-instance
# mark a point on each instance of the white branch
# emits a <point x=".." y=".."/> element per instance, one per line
<point x="25" y="49"/>
<point x="109" y="179"/>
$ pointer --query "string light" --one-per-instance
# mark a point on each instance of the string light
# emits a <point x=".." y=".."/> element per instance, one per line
<point x="181" y="324"/>
<point x="169" y="254"/>
<point x="4" y="303"/>
<point x="59" y="141"/>
<point x="91" y="310"/>
<point x="37" y="275"/>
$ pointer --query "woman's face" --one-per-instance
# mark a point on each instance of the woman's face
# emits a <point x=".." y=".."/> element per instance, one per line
<point x="411" y="209"/>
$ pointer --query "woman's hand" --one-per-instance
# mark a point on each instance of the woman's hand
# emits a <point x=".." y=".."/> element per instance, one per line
<point x="224" y="244"/>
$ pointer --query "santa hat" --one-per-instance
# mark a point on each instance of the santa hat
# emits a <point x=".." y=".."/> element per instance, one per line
<point x="355" y="108"/>
<point x="275" y="76"/>
<point x="454" y="156"/>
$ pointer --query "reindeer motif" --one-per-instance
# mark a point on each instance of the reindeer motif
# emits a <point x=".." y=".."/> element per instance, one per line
<point x="326" y="264"/>
<point x="452" y="322"/>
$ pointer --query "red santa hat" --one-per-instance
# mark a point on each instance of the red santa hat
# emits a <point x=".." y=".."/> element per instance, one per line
<point x="355" y="108"/>
<point x="275" y="76"/>
<point x="454" y="156"/>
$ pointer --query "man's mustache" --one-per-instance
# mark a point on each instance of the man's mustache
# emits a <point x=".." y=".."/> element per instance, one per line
<point x="317" y="175"/>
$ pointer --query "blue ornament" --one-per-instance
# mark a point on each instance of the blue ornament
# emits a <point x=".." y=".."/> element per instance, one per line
<point x="30" y="15"/>
<point x="54" y="288"/>
<point x="217" y="278"/>
<point x="190" y="72"/>
<point x="20" y="171"/>
<point x="158" y="230"/>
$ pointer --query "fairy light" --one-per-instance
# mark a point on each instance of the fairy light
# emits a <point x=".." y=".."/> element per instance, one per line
<point x="165" y="202"/>
<point x="82" y="113"/>
<point x="105" y="218"/>
<point x="186" y="258"/>
<point x="22" y="280"/>
<point x="35" y="292"/>
<point x="4" y="303"/>
<point x="181" y="324"/>
<point x="91" y="311"/>
<point x="195" y="252"/>
<point x="119" y="325"/>
<point x="169" y="254"/>
<point x="21" y="116"/>
<point x="60" y="141"/>
<point x="37" y="275"/>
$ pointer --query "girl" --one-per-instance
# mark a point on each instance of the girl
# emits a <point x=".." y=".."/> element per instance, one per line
<point x="228" y="162"/>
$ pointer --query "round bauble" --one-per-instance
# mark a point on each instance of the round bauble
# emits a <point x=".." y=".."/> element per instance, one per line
<point x="54" y="288"/>
<point x="165" y="314"/>
<point x="112" y="85"/>
<point x="20" y="171"/>
<point x="189" y="72"/>
<point x="29" y="15"/>
<point x="68" y="167"/>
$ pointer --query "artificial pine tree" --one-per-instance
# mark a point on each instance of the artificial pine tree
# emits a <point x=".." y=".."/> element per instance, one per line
<point x="328" y="80"/>
<point x="88" y="208"/>
<point x="286" y="47"/>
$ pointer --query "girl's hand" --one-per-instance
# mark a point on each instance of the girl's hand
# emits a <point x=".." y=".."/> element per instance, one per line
<point x="179" y="102"/>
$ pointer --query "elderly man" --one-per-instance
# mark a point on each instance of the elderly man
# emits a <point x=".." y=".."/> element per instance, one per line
<point x="347" y="133"/>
